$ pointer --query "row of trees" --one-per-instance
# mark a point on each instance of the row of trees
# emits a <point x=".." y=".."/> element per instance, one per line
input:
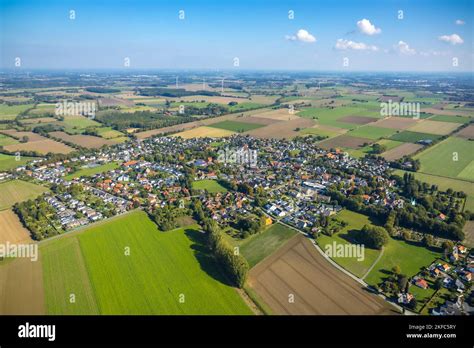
<point x="34" y="216"/>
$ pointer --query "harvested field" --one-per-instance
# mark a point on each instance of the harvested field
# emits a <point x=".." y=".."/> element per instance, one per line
<point x="446" y="112"/>
<point x="21" y="287"/>
<point x="18" y="135"/>
<point x="115" y="102"/>
<point x="282" y="130"/>
<point x="35" y="142"/>
<point x="318" y="287"/>
<point x="357" y="119"/>
<point x="202" y="132"/>
<point x="12" y="230"/>
<point x="42" y="147"/>
<point x="87" y="141"/>
<point x="344" y="141"/>
<point x="264" y="99"/>
<point x="434" y="127"/>
<point x="400" y="151"/>
<point x="466" y="133"/>
<point x="260" y="120"/>
<point x="396" y="122"/>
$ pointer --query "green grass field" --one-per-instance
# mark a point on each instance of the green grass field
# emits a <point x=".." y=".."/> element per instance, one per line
<point x="361" y="152"/>
<point x="64" y="273"/>
<point x="370" y="132"/>
<point x="413" y="137"/>
<point x="389" y="144"/>
<point x="211" y="186"/>
<point x="454" y="119"/>
<point x="408" y="256"/>
<point x="108" y="133"/>
<point x="163" y="273"/>
<point x="355" y="222"/>
<point x="11" y="112"/>
<point x="77" y="124"/>
<point x="422" y="295"/>
<point x="91" y="171"/>
<point x="199" y="105"/>
<point x="264" y="244"/>
<point x="236" y="126"/>
<point x="444" y="183"/>
<point x="446" y="153"/>
<point x="319" y="131"/>
<point x="8" y="162"/>
<point x="245" y="106"/>
<point x="6" y="140"/>
<point x="15" y="191"/>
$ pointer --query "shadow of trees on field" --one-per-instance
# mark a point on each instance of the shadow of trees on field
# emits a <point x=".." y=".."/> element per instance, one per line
<point x="350" y="236"/>
<point x="203" y="255"/>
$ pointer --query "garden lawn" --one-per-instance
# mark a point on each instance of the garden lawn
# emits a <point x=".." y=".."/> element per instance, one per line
<point x="211" y="186"/>
<point x="91" y="171"/>
<point x="410" y="257"/>
<point x="355" y="222"/>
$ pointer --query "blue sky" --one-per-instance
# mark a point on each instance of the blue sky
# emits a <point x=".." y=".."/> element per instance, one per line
<point x="259" y="33"/>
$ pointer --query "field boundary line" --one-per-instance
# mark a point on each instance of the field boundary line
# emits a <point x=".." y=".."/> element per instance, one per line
<point x="373" y="264"/>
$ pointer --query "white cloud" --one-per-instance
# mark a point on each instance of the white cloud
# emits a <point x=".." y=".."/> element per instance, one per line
<point x="403" y="48"/>
<point x="367" y="28"/>
<point x="460" y="22"/>
<point x="352" y="45"/>
<point x="302" y="35"/>
<point x="453" y="39"/>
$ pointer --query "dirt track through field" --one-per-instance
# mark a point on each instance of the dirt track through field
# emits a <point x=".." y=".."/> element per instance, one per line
<point x="318" y="287"/>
